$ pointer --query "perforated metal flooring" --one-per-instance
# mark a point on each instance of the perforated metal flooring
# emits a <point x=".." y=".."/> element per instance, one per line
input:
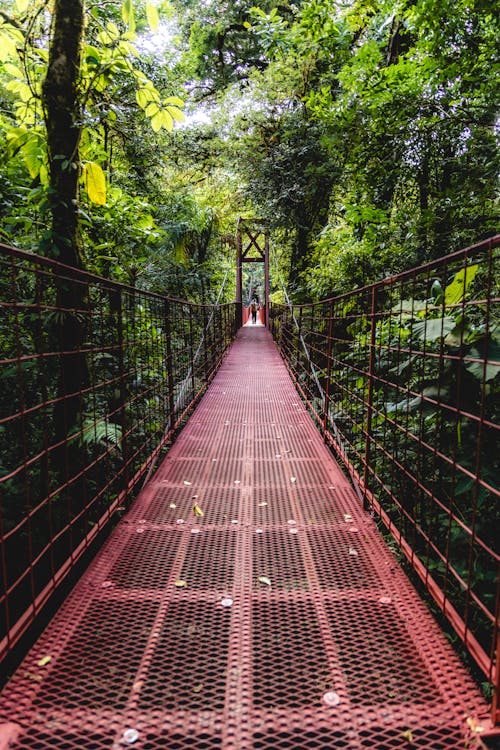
<point x="278" y="619"/>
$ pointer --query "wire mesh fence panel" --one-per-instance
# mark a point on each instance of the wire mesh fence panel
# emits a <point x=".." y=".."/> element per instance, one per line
<point x="403" y="378"/>
<point x="95" y="377"/>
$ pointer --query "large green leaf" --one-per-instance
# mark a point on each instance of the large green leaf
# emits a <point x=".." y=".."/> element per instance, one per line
<point x="431" y="329"/>
<point x="95" y="183"/>
<point x="455" y="291"/>
<point x="489" y="369"/>
<point x="152" y="16"/>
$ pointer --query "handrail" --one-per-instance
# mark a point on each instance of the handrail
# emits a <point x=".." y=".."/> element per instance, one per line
<point x="409" y="380"/>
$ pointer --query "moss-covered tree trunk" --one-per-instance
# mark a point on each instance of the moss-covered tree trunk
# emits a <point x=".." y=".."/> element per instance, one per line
<point x="63" y="118"/>
<point x="63" y="121"/>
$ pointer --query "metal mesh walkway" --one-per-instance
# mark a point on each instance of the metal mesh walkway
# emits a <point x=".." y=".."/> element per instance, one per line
<point x="277" y="619"/>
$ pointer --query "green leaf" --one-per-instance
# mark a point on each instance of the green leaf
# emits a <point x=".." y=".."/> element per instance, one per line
<point x="152" y="16"/>
<point x="95" y="183"/>
<point x="431" y="329"/>
<point x="13" y="70"/>
<point x="455" y="292"/>
<point x="156" y="122"/>
<point x="174" y="101"/>
<point x="32" y="156"/>
<point x="142" y="98"/>
<point x="176" y="114"/>
<point x="489" y="370"/>
<point x="152" y="109"/>
<point x="128" y="14"/>
<point x="166" y="120"/>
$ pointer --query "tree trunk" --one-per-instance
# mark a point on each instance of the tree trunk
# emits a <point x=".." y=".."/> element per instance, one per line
<point x="63" y="122"/>
<point x="63" y="118"/>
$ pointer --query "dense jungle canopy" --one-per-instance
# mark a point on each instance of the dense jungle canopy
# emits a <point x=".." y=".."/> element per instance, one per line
<point x="364" y="133"/>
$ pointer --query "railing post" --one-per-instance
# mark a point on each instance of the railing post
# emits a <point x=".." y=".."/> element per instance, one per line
<point x="170" y="362"/>
<point x="326" y="408"/>
<point x="495" y="706"/>
<point x="369" y="410"/>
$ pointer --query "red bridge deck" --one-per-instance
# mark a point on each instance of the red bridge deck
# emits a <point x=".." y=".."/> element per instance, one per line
<point x="279" y="619"/>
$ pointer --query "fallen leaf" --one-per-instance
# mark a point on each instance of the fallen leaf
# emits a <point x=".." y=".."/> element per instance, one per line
<point x="181" y="583"/>
<point x="353" y="552"/>
<point x="347" y="517"/>
<point x="188" y="484"/>
<point x="474" y="726"/>
<point x="172" y="505"/>
<point x="197" y="511"/>
<point x="262" y="504"/>
<point x="293" y="480"/>
<point x="44" y="660"/>
<point x="264" y="579"/>
<point x="198" y="688"/>
<point x="33" y="676"/>
<point x="408" y="735"/>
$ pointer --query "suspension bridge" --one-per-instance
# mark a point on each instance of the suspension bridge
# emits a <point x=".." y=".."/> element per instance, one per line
<point x="234" y="480"/>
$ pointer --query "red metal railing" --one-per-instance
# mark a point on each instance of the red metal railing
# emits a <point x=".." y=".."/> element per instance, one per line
<point x="95" y="378"/>
<point x="403" y="379"/>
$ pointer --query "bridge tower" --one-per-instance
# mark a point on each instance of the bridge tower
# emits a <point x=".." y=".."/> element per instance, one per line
<point x="252" y="246"/>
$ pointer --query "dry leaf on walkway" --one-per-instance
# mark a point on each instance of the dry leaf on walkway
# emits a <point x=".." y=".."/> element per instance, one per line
<point x="265" y="580"/>
<point x="197" y="511"/>
<point x="181" y="583"/>
<point x="44" y="661"/>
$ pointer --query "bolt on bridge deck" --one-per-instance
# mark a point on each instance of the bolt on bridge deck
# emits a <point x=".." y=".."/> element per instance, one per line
<point x="270" y="616"/>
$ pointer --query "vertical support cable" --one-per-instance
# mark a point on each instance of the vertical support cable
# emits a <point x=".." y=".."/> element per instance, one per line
<point x="170" y="364"/>
<point x="369" y="409"/>
<point x="326" y="409"/>
<point x="123" y="386"/>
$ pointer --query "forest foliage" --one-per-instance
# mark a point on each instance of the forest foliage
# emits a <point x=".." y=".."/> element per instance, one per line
<point x="364" y="133"/>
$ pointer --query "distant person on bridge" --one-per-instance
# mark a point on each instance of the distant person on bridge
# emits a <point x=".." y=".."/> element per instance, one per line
<point x="254" y="306"/>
